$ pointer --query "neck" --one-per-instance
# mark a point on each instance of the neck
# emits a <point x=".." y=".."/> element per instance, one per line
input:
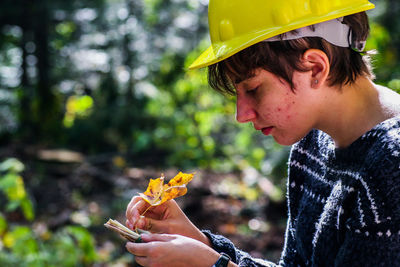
<point x="349" y="112"/>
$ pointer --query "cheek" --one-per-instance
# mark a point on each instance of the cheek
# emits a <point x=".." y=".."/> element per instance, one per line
<point x="287" y="111"/>
<point x="280" y="108"/>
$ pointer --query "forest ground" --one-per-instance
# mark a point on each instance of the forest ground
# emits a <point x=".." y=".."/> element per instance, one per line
<point x="74" y="189"/>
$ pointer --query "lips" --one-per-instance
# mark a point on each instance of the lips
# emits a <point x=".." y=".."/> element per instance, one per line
<point x="266" y="130"/>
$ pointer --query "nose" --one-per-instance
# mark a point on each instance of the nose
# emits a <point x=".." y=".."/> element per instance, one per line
<point x="244" y="110"/>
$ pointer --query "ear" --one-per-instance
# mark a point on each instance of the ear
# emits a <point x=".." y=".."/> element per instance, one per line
<point x="317" y="62"/>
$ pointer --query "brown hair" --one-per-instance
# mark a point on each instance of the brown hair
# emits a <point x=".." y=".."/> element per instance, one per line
<point x="282" y="58"/>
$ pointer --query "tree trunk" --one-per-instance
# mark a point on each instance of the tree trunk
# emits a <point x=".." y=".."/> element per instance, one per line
<point x="25" y="96"/>
<point x="47" y="119"/>
<point x="391" y="23"/>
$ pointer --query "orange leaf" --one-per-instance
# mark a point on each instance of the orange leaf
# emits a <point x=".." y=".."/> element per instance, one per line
<point x="157" y="192"/>
<point x="154" y="191"/>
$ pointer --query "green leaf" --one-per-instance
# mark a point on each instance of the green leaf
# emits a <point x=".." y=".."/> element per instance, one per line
<point x="27" y="209"/>
<point x="8" y="181"/>
<point x="21" y="241"/>
<point x="12" y="205"/>
<point x="12" y="165"/>
<point x="3" y="224"/>
<point x="395" y="85"/>
<point x="85" y="243"/>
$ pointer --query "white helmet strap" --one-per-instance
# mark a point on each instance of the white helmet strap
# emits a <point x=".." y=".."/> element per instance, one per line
<point x="333" y="31"/>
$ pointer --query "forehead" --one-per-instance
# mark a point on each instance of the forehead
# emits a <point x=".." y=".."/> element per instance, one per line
<point x="247" y="81"/>
<point x="244" y="83"/>
<point x="261" y="76"/>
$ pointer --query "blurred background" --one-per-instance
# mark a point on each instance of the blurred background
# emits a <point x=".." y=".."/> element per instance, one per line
<point x="95" y="99"/>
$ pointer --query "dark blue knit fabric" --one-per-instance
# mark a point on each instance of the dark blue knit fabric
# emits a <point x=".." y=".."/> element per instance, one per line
<point x="344" y="204"/>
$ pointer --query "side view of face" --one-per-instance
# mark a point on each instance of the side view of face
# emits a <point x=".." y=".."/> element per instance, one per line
<point x="269" y="103"/>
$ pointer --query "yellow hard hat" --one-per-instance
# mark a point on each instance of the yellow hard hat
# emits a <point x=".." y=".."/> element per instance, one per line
<point x="237" y="24"/>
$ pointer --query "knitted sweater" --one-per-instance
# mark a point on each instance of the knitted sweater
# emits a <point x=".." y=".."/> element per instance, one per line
<point x="344" y="204"/>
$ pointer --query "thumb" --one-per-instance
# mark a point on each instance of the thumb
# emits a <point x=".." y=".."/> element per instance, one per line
<point x="152" y="225"/>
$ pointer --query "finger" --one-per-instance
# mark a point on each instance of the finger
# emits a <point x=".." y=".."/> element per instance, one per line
<point x="129" y="224"/>
<point x="133" y="201"/>
<point x="142" y="261"/>
<point x="137" y="249"/>
<point x="154" y="212"/>
<point x="143" y="223"/>
<point x="133" y="204"/>
<point x="134" y="211"/>
<point x="152" y="225"/>
<point x="156" y="237"/>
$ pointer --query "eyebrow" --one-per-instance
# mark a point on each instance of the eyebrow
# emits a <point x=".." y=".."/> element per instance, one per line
<point x="239" y="80"/>
<point x="245" y="81"/>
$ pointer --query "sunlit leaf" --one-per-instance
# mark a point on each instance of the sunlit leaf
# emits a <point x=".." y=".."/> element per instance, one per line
<point x="8" y="240"/>
<point x="12" y="185"/>
<point x="27" y="209"/>
<point x="395" y="84"/>
<point x="21" y="241"/>
<point x="177" y="186"/>
<point x="153" y="193"/>
<point x="77" y="106"/>
<point x="3" y="224"/>
<point x="12" y="165"/>
<point x="85" y="242"/>
<point x="119" y="162"/>
<point x="157" y="192"/>
<point x="66" y="28"/>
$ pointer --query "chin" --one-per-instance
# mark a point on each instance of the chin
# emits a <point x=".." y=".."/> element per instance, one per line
<point x="286" y="141"/>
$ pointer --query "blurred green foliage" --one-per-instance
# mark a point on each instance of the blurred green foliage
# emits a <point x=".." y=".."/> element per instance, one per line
<point x="110" y="76"/>
<point x="77" y="106"/>
<point x="70" y="246"/>
<point x="27" y="245"/>
<point x="12" y="186"/>
<point x="118" y="83"/>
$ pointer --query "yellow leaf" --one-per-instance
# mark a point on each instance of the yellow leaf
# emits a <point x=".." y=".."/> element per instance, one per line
<point x="154" y="191"/>
<point x="8" y="240"/>
<point x="119" y="162"/>
<point x="157" y="192"/>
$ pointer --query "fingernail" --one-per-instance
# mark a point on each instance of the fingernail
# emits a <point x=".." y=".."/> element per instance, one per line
<point x="141" y="223"/>
<point x="145" y="236"/>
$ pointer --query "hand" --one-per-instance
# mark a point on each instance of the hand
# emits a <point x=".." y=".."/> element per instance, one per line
<point x="167" y="218"/>
<point x="171" y="250"/>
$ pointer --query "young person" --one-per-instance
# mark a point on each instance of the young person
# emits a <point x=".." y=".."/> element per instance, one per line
<point x="299" y="73"/>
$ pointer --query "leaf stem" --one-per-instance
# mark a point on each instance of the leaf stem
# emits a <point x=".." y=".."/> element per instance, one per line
<point x="142" y="215"/>
<point x="146" y="210"/>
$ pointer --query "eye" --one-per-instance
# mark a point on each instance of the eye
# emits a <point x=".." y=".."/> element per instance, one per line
<point x="252" y="90"/>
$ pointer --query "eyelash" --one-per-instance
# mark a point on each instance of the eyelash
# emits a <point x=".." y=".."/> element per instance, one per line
<point x="252" y="91"/>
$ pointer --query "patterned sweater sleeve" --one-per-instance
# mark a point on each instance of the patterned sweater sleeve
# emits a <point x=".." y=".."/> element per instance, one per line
<point x="372" y="236"/>
<point x="241" y="258"/>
